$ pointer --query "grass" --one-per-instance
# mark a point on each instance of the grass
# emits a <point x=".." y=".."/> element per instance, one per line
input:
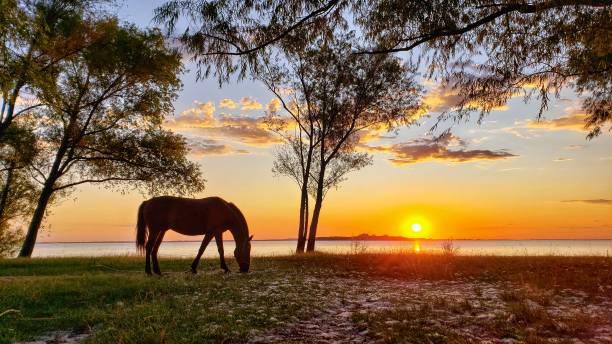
<point x="113" y="299"/>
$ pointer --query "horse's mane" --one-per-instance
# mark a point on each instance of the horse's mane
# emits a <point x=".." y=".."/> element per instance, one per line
<point x="240" y="216"/>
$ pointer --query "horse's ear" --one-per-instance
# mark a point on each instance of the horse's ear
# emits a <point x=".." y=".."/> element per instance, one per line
<point x="250" y="238"/>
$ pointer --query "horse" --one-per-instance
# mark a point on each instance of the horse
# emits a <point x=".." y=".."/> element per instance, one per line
<point x="210" y="216"/>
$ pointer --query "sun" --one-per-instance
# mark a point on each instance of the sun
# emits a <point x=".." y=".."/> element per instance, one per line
<point x="416" y="226"/>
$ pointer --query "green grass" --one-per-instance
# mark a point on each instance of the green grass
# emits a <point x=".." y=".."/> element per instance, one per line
<point x="112" y="298"/>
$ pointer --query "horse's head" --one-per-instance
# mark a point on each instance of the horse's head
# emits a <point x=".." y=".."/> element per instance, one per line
<point x="243" y="254"/>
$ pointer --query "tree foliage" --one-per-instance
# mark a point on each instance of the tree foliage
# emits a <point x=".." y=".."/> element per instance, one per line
<point x="227" y="37"/>
<point x="18" y="192"/>
<point x="488" y="51"/>
<point x="35" y="37"/>
<point x="101" y="120"/>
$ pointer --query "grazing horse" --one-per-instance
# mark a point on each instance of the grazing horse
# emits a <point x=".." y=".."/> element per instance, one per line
<point x="210" y="216"/>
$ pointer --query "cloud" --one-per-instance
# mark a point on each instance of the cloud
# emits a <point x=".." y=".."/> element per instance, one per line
<point x="562" y="159"/>
<point x="574" y="147"/>
<point x="572" y="121"/>
<point x="480" y="140"/>
<point x="510" y="169"/>
<point x="375" y="133"/>
<point x="227" y="103"/>
<point x="601" y="201"/>
<point x="240" y="128"/>
<point x="204" y="147"/>
<point x="247" y="130"/>
<point x="248" y="103"/>
<point x="199" y="115"/>
<point x="273" y="105"/>
<point x="440" y="99"/>
<point x="444" y="98"/>
<point x="199" y="147"/>
<point x="441" y="148"/>
<point x="206" y="109"/>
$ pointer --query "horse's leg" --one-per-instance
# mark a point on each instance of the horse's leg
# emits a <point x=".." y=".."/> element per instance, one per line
<point x="196" y="261"/>
<point x="158" y="242"/>
<point x="219" y="240"/>
<point x="149" y="248"/>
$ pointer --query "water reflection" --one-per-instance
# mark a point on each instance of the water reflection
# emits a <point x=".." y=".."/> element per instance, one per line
<point x="188" y="249"/>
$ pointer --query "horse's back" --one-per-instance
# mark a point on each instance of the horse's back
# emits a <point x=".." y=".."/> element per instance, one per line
<point x="187" y="215"/>
<point x="183" y="202"/>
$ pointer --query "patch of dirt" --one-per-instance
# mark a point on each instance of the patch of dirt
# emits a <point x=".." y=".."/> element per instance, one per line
<point x="470" y="310"/>
<point x="60" y="337"/>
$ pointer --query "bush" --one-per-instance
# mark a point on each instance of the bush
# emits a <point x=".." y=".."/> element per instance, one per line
<point x="449" y="248"/>
<point x="9" y="241"/>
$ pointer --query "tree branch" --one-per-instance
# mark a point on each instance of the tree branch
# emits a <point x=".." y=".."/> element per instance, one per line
<point x="274" y="39"/>
<point x="504" y="10"/>
<point x="65" y="186"/>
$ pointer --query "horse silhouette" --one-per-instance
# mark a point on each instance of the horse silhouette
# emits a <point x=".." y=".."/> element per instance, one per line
<point x="210" y="216"/>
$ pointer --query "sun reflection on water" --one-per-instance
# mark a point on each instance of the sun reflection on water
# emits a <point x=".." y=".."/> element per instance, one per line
<point x="416" y="247"/>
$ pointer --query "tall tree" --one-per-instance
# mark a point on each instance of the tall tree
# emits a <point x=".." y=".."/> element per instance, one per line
<point x="337" y="96"/>
<point x="487" y="50"/>
<point x="35" y="36"/>
<point x="101" y="123"/>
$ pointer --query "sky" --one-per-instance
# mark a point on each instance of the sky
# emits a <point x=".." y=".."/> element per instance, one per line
<point x="510" y="177"/>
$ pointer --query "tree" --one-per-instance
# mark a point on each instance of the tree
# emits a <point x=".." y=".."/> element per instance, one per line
<point x="101" y="123"/>
<point x="17" y="150"/>
<point x="488" y="51"/>
<point x="34" y="37"/>
<point x="335" y="97"/>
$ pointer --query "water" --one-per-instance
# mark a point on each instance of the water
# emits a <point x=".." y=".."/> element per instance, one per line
<point x="187" y="249"/>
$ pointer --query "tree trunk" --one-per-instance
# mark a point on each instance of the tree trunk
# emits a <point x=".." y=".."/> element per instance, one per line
<point x="312" y="234"/>
<point x="45" y="196"/>
<point x="301" y="240"/>
<point x="43" y="200"/>
<point x="304" y="203"/>
<point x="39" y="213"/>
<point x="6" y="120"/>
<point x="6" y="191"/>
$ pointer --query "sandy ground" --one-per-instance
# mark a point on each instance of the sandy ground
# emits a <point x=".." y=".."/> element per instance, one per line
<point x="358" y="308"/>
<point x="472" y="310"/>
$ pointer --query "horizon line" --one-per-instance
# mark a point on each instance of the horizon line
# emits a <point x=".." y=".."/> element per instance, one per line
<point x="340" y="239"/>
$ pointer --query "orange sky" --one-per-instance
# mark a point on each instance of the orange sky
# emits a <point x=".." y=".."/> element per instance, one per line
<point x="510" y="177"/>
<point x="555" y="185"/>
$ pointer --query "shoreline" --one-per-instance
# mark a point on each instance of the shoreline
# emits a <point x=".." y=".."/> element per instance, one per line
<point x="325" y="239"/>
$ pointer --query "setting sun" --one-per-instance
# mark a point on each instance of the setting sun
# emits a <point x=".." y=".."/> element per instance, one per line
<point x="416" y="227"/>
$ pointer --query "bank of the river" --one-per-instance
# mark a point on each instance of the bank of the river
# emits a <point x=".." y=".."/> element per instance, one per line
<point x="358" y="298"/>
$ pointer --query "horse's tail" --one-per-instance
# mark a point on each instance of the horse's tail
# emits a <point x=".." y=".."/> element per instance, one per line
<point x="141" y="229"/>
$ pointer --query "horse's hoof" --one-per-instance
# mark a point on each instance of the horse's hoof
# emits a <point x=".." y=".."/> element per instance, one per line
<point x="194" y="271"/>
<point x="148" y="273"/>
<point x="227" y="271"/>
